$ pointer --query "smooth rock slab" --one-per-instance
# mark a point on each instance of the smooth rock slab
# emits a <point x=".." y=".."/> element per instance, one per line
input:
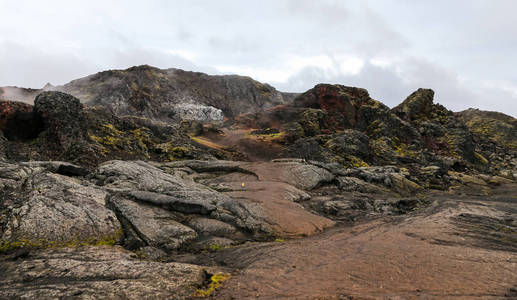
<point x="301" y="175"/>
<point x="190" y="202"/>
<point x="286" y="217"/>
<point x="212" y="227"/>
<point x="136" y="175"/>
<point x="155" y="226"/>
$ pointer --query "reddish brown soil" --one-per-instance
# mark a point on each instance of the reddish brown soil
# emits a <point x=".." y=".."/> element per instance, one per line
<point x="451" y="250"/>
<point x="253" y="147"/>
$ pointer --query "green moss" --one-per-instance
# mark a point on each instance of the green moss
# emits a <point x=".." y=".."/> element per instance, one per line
<point x="110" y="240"/>
<point x="311" y="121"/>
<point x="216" y="282"/>
<point x="381" y="149"/>
<point x="498" y="131"/>
<point x="375" y="129"/>
<point x="179" y="152"/>
<point x="7" y="246"/>
<point x="112" y="137"/>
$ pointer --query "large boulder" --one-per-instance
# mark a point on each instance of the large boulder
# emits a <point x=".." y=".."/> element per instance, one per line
<point x="41" y="208"/>
<point x="62" y="118"/>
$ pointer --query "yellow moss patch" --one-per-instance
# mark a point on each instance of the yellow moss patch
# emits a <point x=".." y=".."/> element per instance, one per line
<point x="481" y="158"/>
<point x="111" y="129"/>
<point x="215" y="282"/>
<point x="142" y="138"/>
<point x="96" y="139"/>
<point x="206" y="143"/>
<point x="215" y="247"/>
<point x="451" y="142"/>
<point x="356" y="162"/>
<point x="266" y="137"/>
<point x="134" y="141"/>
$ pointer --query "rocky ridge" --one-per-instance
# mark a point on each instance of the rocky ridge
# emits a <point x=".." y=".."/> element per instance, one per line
<point x="167" y="95"/>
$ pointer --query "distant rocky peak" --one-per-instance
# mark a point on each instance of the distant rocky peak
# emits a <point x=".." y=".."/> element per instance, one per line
<point x="48" y="87"/>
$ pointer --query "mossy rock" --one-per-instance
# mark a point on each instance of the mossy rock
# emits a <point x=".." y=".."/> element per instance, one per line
<point x="312" y="121"/>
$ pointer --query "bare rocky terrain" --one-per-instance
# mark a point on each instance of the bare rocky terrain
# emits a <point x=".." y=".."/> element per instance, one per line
<point x="265" y="195"/>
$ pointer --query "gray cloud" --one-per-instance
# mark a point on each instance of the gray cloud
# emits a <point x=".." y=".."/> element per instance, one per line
<point x="31" y="67"/>
<point x="393" y="84"/>
<point x="462" y="49"/>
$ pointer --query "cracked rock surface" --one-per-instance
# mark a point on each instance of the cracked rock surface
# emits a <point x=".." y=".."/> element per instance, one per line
<point x="128" y="229"/>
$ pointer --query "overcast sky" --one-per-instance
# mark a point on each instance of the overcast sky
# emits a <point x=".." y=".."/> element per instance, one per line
<point x="465" y="50"/>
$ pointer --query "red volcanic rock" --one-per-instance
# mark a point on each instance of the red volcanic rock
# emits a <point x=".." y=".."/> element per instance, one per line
<point x="17" y="121"/>
<point x="340" y="106"/>
<point x="342" y="103"/>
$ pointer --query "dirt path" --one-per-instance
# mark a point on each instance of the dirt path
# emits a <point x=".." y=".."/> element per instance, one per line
<point x="452" y="251"/>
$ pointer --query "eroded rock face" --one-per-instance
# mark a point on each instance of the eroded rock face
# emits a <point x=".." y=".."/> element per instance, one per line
<point x="335" y="123"/>
<point x="495" y="140"/>
<point x="170" y="94"/>
<point x="162" y="94"/>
